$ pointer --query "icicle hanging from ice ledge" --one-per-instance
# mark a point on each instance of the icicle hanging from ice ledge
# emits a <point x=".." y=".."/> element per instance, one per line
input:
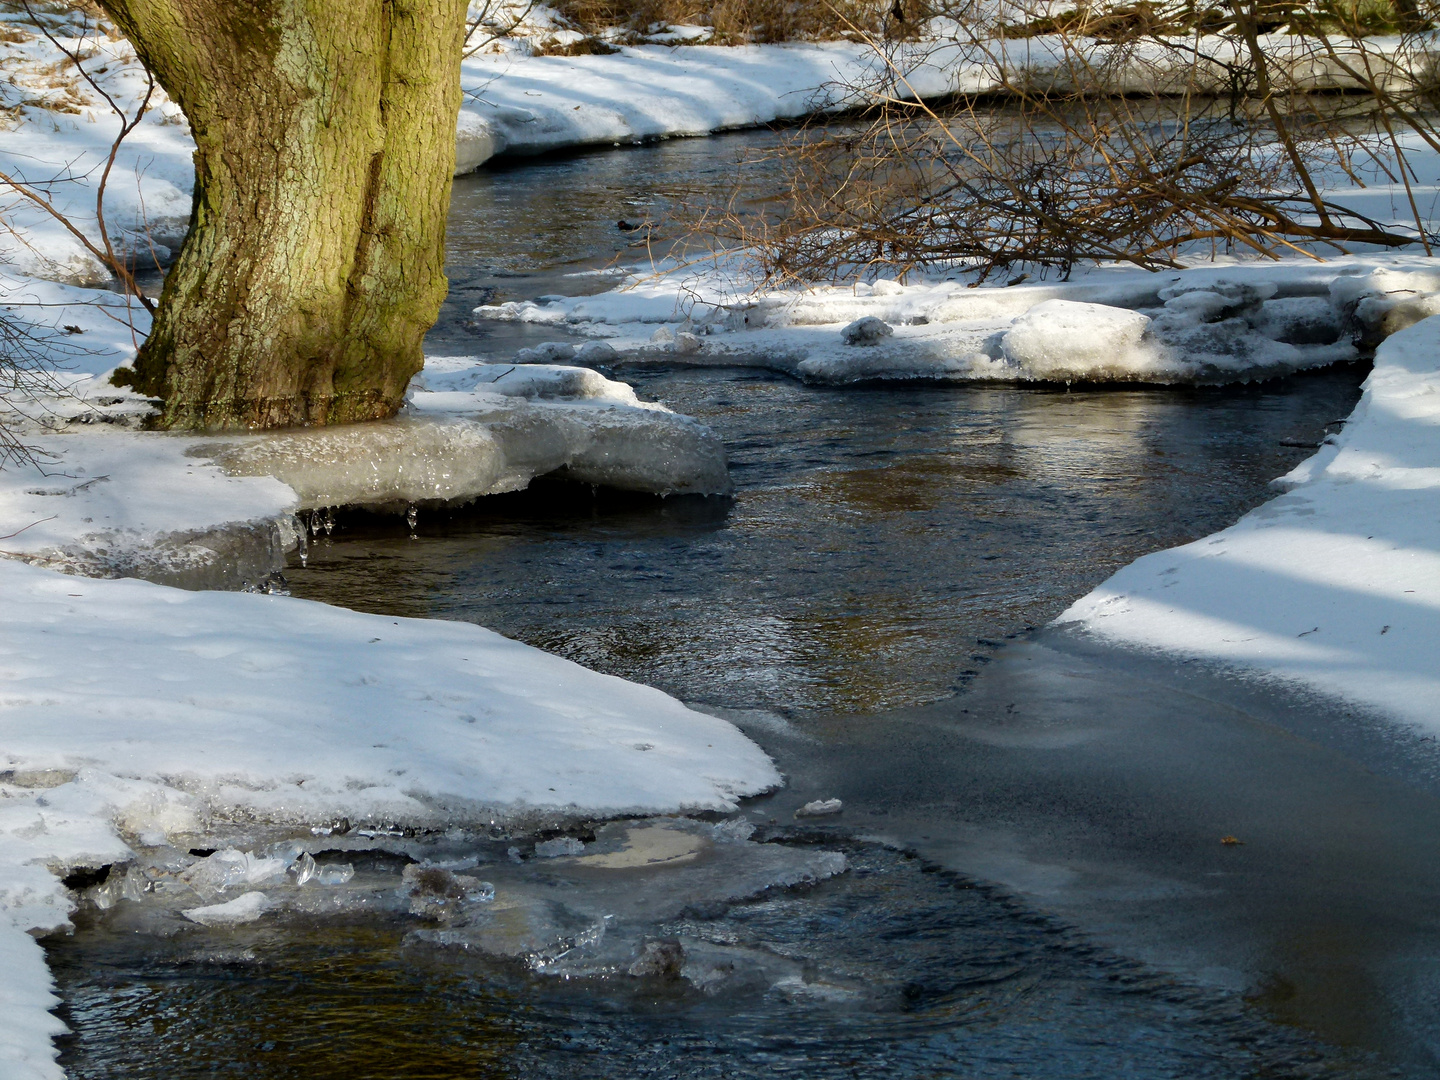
<point x="425" y="460"/>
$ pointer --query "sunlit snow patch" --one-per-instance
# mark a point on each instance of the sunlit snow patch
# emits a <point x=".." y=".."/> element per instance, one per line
<point x="1209" y="325"/>
<point x="1335" y="585"/>
<point x="140" y="723"/>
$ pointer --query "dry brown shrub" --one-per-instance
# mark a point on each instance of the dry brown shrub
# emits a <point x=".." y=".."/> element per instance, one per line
<point x="1231" y="149"/>
<point x="586" y="46"/>
<point x="736" y="22"/>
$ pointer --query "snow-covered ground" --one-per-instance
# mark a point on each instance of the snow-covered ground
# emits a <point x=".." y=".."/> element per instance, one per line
<point x="137" y="716"/>
<point x="58" y="131"/>
<point x="1333" y="586"/>
<point x="1216" y="323"/>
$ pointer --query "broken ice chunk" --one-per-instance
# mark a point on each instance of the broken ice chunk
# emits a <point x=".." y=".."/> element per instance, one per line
<point x="665" y="958"/>
<point x="228" y="868"/>
<point x="866" y="331"/>
<point x="243" y="909"/>
<point x="335" y="875"/>
<point x="820" y="808"/>
<point x="548" y="352"/>
<point x="560" y="846"/>
<point x="732" y="830"/>
<point x="596" y="352"/>
<point x="302" y="869"/>
<point x="438" y="894"/>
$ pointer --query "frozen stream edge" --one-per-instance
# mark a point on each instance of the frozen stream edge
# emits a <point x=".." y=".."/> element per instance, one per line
<point x="185" y="714"/>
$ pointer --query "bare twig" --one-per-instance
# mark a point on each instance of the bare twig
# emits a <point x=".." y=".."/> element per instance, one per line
<point x="17" y="532"/>
<point x="1137" y="133"/>
<point x="106" y="254"/>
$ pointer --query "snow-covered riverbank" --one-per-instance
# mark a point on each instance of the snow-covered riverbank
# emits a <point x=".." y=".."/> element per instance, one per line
<point x="135" y="715"/>
<point x="1334" y="587"/>
<point x="1217" y="323"/>
<point x="516" y="103"/>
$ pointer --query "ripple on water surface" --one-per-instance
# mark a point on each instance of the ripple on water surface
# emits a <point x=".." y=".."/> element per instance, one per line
<point x="904" y="971"/>
<point x="875" y="536"/>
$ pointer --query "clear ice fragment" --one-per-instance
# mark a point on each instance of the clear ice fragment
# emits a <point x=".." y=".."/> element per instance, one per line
<point x="335" y="875"/>
<point x="560" y="846"/>
<point x="242" y="909"/>
<point x="229" y="868"/>
<point x="303" y="869"/>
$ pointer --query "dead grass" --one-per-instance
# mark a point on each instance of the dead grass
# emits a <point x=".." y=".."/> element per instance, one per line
<point x="736" y="22"/>
<point x="1051" y="172"/>
<point x="1168" y="18"/>
<point x="587" y="46"/>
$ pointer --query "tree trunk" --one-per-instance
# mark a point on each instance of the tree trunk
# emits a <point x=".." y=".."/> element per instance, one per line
<point x="325" y="146"/>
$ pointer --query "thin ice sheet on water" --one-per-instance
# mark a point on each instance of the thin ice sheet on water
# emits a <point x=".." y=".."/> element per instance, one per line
<point x="1335" y="585"/>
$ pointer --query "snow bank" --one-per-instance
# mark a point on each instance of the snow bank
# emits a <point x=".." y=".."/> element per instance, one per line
<point x="278" y="709"/>
<point x="520" y="104"/>
<point x="135" y="715"/>
<point x="456" y="445"/>
<point x="1213" y="324"/>
<point x="206" y="512"/>
<point x="110" y="500"/>
<point x="1334" y="586"/>
<point x="517" y="103"/>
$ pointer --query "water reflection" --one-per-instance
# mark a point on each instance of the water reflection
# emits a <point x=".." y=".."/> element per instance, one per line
<point x="907" y="972"/>
<point x="875" y="533"/>
<point x="522" y="229"/>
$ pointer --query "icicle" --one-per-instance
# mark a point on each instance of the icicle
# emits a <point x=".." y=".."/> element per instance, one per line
<point x="329" y="520"/>
<point x="412" y="515"/>
<point x="304" y="547"/>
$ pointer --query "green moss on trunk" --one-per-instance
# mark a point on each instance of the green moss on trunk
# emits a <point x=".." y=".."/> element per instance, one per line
<point x="325" y="146"/>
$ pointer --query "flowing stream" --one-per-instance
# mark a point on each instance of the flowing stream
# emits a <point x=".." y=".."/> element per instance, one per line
<point x="885" y="547"/>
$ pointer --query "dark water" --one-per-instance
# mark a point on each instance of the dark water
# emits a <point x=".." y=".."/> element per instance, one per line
<point x="881" y="542"/>
<point x="931" y="977"/>
<point x="875" y="535"/>
<point x="524" y="228"/>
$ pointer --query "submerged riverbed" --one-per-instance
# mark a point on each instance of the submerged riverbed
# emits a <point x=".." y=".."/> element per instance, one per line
<point x="882" y="545"/>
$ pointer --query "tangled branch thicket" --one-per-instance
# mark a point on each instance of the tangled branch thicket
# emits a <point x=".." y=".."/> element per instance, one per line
<point x="30" y="353"/>
<point x="743" y="21"/>
<point x="24" y="374"/>
<point x="1142" y="134"/>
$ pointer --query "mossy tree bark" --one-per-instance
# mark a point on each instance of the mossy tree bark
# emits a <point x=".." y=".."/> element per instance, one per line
<point x="325" y="146"/>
